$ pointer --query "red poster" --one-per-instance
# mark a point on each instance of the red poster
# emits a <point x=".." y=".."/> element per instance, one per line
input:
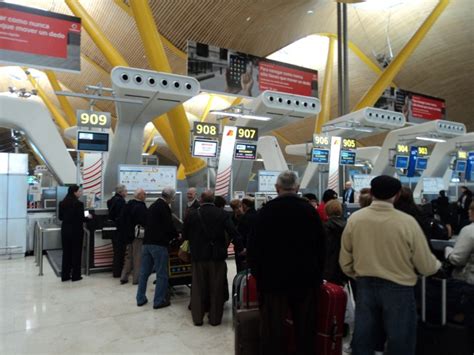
<point x="427" y="108"/>
<point x="285" y="79"/>
<point x="39" y="38"/>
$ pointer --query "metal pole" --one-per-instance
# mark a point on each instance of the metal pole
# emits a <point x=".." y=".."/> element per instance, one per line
<point x="208" y="175"/>
<point x="78" y="167"/>
<point x="340" y="62"/>
<point x="41" y="253"/>
<point x="345" y="67"/>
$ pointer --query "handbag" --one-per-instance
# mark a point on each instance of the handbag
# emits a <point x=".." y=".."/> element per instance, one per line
<point x="139" y="232"/>
<point x="184" y="253"/>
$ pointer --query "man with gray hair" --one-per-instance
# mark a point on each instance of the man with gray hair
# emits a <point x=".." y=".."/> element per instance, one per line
<point x="115" y="206"/>
<point x="159" y="231"/>
<point x="134" y="220"/>
<point x="286" y="255"/>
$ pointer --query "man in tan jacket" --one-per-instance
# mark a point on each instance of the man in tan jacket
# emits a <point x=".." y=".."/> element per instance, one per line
<point x="384" y="249"/>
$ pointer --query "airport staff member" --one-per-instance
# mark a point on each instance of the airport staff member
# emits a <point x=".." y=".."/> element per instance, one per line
<point x="71" y="213"/>
<point x="381" y="248"/>
<point x="159" y="231"/>
<point x="348" y="193"/>
<point x="115" y="206"/>
<point x="193" y="202"/>
<point x="286" y="255"/>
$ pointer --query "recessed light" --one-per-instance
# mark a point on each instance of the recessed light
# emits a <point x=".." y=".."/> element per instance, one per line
<point x="248" y="18"/>
<point x="309" y="12"/>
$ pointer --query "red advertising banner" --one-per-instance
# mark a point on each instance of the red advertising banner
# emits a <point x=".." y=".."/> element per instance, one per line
<point x="286" y="79"/>
<point x="227" y="71"/>
<point x="427" y="108"/>
<point x="39" y="38"/>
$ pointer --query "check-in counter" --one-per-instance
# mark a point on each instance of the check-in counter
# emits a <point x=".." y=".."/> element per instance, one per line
<point x="47" y="218"/>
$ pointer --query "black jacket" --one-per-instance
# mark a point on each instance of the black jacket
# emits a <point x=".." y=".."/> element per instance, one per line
<point x="247" y="224"/>
<point x="332" y="271"/>
<point x="71" y="213"/>
<point x="351" y="196"/>
<point x="134" y="213"/>
<point x="207" y="239"/>
<point x="159" y="229"/>
<point x="194" y="206"/>
<point x="287" y="251"/>
<point x="115" y="206"/>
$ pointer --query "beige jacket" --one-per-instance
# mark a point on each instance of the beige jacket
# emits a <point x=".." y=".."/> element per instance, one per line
<point x="463" y="255"/>
<point x="380" y="241"/>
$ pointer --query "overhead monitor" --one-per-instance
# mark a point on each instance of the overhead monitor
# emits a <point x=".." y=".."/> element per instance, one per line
<point x="204" y="148"/>
<point x="460" y="166"/>
<point x="244" y="151"/>
<point x="421" y="163"/>
<point x="348" y="157"/>
<point x="92" y="141"/>
<point x="320" y="156"/>
<point x="401" y="162"/>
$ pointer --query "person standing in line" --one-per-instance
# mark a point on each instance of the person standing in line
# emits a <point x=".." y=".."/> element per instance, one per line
<point x="205" y="229"/>
<point x="328" y="195"/>
<point x="464" y="202"/>
<point x="134" y="219"/>
<point x="286" y="255"/>
<point x="312" y="199"/>
<point x="245" y="229"/>
<point x="365" y="198"/>
<point x="348" y="193"/>
<point x="384" y="249"/>
<point x="71" y="213"/>
<point x="236" y="206"/>
<point x="159" y="231"/>
<point x="115" y="206"/>
<point x="192" y="203"/>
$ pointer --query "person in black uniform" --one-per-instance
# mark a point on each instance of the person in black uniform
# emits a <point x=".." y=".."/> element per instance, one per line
<point x="245" y="229"/>
<point x="115" y="206"/>
<point x="71" y="213"/>
<point x="286" y="255"/>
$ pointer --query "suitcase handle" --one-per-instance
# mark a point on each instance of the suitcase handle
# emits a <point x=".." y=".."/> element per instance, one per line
<point x="443" y="299"/>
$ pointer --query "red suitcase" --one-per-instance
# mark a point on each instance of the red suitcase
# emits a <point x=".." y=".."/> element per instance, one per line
<point x="330" y="321"/>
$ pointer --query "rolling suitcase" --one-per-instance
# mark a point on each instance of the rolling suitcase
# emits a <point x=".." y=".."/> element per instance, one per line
<point x="247" y="332"/>
<point x="244" y="291"/>
<point x="437" y="337"/>
<point x="332" y="302"/>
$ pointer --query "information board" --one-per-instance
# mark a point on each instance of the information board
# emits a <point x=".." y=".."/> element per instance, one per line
<point x="267" y="180"/>
<point x="361" y="181"/>
<point x="204" y="148"/>
<point x="421" y="163"/>
<point x="401" y="162"/>
<point x="90" y="141"/>
<point x="244" y="151"/>
<point x="320" y="156"/>
<point x="348" y="157"/>
<point x="151" y="178"/>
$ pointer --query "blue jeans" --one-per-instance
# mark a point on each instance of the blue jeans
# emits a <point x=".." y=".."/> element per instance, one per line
<point x="153" y="255"/>
<point x="384" y="304"/>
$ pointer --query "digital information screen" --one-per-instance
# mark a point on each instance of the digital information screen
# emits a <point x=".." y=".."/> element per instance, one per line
<point x="92" y="141"/>
<point x="320" y="156"/>
<point x="245" y="151"/>
<point x="401" y="162"/>
<point x="461" y="166"/>
<point x="204" y="148"/>
<point x="421" y="163"/>
<point x="348" y="157"/>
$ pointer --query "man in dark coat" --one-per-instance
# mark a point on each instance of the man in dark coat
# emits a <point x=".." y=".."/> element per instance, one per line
<point x="245" y="229"/>
<point x="205" y="229"/>
<point x="348" y="193"/>
<point x="159" y="231"/>
<point x="286" y="255"/>
<point x="115" y="206"/>
<point x="192" y="203"/>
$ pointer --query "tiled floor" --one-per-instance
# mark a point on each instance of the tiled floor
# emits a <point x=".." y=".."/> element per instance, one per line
<point x="97" y="316"/>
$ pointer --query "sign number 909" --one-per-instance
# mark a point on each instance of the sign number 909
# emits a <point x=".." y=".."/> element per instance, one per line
<point x="93" y="119"/>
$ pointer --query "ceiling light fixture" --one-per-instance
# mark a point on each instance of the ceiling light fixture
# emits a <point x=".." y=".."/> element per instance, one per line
<point x="357" y="129"/>
<point x="431" y="139"/>
<point x="240" y="115"/>
<point x="310" y="12"/>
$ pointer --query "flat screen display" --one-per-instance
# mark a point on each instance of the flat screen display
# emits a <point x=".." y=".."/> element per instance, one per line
<point x="421" y="163"/>
<point x="320" y="156"/>
<point x="92" y="141"/>
<point x="204" y="148"/>
<point x="245" y="151"/>
<point x="348" y="157"/>
<point x="461" y="166"/>
<point x="401" y="162"/>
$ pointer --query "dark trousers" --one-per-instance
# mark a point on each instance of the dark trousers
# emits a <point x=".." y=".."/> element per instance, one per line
<point x="119" y="248"/>
<point x="273" y="312"/>
<point x="72" y="255"/>
<point x="208" y="280"/>
<point x="387" y="305"/>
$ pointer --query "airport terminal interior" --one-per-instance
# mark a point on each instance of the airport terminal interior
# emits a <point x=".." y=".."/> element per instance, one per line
<point x="149" y="147"/>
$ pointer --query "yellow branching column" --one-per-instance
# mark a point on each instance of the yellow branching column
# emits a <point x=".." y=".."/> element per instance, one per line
<point x="158" y="60"/>
<point x="325" y="113"/>
<point x="374" y="93"/>
<point x="65" y="104"/>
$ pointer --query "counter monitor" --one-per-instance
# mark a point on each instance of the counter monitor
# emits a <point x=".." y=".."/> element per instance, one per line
<point x="320" y="156"/>
<point x="348" y="157"/>
<point x="204" y="148"/>
<point x="421" y="163"/>
<point x="401" y="162"/>
<point x="460" y="166"/>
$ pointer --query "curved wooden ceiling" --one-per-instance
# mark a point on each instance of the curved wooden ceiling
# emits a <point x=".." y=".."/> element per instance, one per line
<point x="441" y="66"/>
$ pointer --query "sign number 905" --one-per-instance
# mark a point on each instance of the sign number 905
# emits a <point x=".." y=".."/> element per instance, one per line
<point x="93" y="119"/>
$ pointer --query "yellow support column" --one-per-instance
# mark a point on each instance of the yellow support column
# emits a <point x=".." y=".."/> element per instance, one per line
<point x="323" y="116"/>
<point x="65" y="104"/>
<point x="208" y="107"/>
<point x="116" y="59"/>
<point x="149" y="140"/>
<point x="158" y="60"/>
<point x="373" y="94"/>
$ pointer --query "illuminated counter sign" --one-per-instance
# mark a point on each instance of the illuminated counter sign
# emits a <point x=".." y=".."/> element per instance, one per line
<point x="93" y="119"/>
<point x="321" y="141"/>
<point x="247" y="134"/>
<point x="348" y="157"/>
<point x="205" y="148"/>
<point x="349" y="143"/>
<point x="244" y="151"/>
<point x="422" y="151"/>
<point x="92" y="141"/>
<point x="462" y="155"/>
<point x="402" y="149"/>
<point x="320" y="156"/>
<point x="203" y="129"/>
